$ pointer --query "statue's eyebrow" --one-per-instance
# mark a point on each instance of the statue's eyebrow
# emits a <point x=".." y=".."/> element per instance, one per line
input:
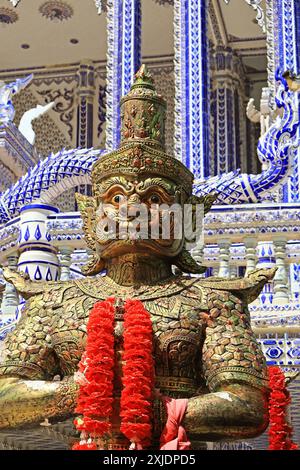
<point x="114" y="180"/>
<point x="168" y="186"/>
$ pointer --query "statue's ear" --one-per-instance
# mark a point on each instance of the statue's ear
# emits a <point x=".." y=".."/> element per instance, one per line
<point x="206" y="200"/>
<point x="94" y="265"/>
<point x="196" y="207"/>
<point x="186" y="263"/>
<point x="88" y="206"/>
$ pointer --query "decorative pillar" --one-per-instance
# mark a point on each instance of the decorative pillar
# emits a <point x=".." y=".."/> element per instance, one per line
<point x="233" y="271"/>
<point x="198" y="254"/>
<point x="227" y="103"/>
<point x="38" y="257"/>
<point x="294" y="276"/>
<point x="266" y="260"/>
<point x="224" y="246"/>
<point x="283" y="50"/>
<point x="10" y="300"/>
<point x="251" y="257"/>
<point x="85" y="94"/>
<point x="281" y="295"/>
<point x="65" y="258"/>
<point x="123" y="60"/>
<point x="191" y="69"/>
<point x="85" y="113"/>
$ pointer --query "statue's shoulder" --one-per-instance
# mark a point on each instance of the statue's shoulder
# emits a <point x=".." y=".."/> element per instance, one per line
<point x="28" y="288"/>
<point x="248" y="287"/>
<point x="93" y="286"/>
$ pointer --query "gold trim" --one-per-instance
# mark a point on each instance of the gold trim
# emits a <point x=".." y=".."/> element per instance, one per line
<point x="236" y="374"/>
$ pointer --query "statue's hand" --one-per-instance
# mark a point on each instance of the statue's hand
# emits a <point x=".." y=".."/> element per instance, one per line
<point x="40" y="399"/>
<point x="261" y="274"/>
<point x="15" y="277"/>
<point x="22" y="283"/>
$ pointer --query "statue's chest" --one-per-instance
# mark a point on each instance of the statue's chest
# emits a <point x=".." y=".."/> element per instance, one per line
<point x="177" y="342"/>
<point x="178" y="336"/>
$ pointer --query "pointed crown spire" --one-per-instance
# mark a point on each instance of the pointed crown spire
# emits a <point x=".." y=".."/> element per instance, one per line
<point x="143" y="112"/>
<point x="142" y="149"/>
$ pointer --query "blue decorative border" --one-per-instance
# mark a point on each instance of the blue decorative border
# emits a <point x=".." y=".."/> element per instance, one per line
<point x="191" y="137"/>
<point x="123" y="60"/>
<point x="39" y="206"/>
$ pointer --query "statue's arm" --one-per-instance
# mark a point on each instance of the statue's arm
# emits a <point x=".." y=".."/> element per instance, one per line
<point x="31" y="401"/>
<point x="28" y="364"/>
<point x="235" y="411"/>
<point x="235" y="372"/>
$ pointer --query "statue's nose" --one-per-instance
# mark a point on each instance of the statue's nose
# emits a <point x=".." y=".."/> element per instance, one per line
<point x="134" y="199"/>
<point x="132" y="209"/>
<point x="134" y="206"/>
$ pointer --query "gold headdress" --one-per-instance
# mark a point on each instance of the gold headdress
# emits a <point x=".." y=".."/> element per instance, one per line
<point x="142" y="148"/>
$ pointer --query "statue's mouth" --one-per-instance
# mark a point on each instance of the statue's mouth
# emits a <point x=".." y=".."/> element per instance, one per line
<point x="115" y="248"/>
<point x="134" y="230"/>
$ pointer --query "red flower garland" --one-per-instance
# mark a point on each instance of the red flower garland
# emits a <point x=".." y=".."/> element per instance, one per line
<point x="138" y="375"/>
<point x="95" y="376"/>
<point x="279" y="432"/>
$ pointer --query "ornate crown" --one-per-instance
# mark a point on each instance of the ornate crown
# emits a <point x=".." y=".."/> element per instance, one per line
<point x="142" y="150"/>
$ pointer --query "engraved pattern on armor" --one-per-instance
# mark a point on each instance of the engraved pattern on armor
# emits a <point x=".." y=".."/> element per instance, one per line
<point x="108" y="288"/>
<point x="237" y="374"/>
<point x="230" y="341"/>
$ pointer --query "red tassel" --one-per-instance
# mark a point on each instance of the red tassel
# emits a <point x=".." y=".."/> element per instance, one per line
<point x="95" y="397"/>
<point x="79" y="446"/>
<point x="138" y="375"/>
<point x="95" y="376"/>
<point x="280" y="433"/>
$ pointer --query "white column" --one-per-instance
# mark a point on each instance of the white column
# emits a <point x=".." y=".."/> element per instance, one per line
<point x="281" y="295"/>
<point x="65" y="258"/>
<point x="251" y="256"/>
<point x="266" y="260"/>
<point x="197" y="254"/>
<point x="233" y="271"/>
<point x="224" y="246"/>
<point x="10" y="300"/>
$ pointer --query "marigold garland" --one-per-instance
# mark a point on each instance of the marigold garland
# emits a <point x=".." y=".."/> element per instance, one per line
<point x="279" y="431"/>
<point x="95" y="377"/>
<point x="138" y="375"/>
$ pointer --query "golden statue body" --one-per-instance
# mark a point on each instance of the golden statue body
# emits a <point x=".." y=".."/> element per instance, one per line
<point x="204" y="347"/>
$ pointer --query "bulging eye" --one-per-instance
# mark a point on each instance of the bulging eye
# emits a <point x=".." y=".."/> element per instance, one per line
<point x="118" y="198"/>
<point x="155" y="199"/>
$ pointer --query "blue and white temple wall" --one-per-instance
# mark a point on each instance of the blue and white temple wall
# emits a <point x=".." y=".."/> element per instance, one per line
<point x="228" y="111"/>
<point x="283" y="28"/>
<point x="192" y="85"/>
